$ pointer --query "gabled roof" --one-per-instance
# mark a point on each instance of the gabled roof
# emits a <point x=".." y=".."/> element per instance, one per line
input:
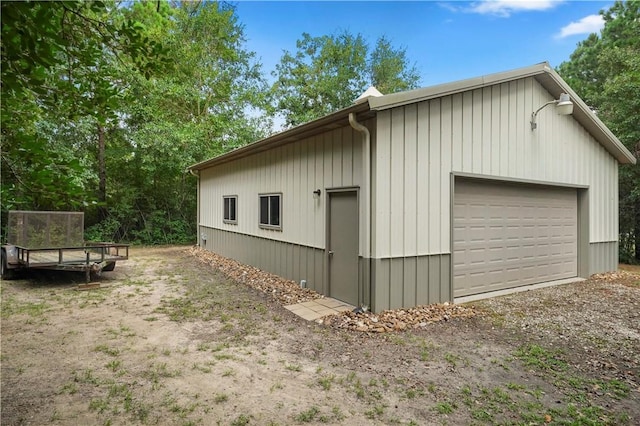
<point x="542" y="72"/>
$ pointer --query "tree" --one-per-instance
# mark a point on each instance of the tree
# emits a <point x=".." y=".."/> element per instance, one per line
<point x="53" y="55"/>
<point x="196" y="109"/>
<point x="388" y="68"/>
<point x="605" y="71"/>
<point x="38" y="37"/>
<point x="105" y="104"/>
<point x="329" y="72"/>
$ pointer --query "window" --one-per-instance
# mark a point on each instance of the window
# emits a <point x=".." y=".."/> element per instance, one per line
<point x="230" y="209"/>
<point x="270" y="206"/>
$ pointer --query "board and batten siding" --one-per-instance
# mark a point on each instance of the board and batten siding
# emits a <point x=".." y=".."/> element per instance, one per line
<point x="329" y="160"/>
<point x="482" y="132"/>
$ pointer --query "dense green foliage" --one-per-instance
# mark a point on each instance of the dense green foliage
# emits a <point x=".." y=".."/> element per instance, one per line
<point x="55" y="69"/>
<point x="104" y="105"/>
<point x="605" y="71"/>
<point x="329" y="72"/>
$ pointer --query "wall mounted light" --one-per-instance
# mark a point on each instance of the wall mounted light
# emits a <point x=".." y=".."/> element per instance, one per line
<point x="564" y="106"/>
<point x="316" y="193"/>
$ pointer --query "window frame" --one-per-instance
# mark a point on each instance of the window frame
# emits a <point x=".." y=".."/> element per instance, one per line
<point x="230" y="220"/>
<point x="269" y="225"/>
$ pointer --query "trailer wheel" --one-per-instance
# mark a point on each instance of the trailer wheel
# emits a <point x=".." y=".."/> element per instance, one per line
<point x="5" y="272"/>
<point x="110" y="267"/>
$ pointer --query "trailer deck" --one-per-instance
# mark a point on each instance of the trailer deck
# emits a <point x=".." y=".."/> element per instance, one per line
<point x="88" y="259"/>
<point x="71" y="256"/>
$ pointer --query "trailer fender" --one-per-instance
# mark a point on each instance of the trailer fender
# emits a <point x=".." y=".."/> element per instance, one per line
<point x="11" y="254"/>
<point x="7" y="271"/>
<point x="98" y="268"/>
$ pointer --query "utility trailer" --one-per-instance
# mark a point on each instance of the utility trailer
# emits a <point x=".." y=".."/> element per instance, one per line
<point x="55" y="241"/>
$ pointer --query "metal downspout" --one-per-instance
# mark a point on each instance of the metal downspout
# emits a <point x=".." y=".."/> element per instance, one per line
<point x="366" y="153"/>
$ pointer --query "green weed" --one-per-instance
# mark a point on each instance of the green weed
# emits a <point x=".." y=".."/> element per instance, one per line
<point x="107" y="350"/>
<point x="241" y="420"/>
<point x="114" y="365"/>
<point x="376" y="411"/>
<point x="326" y="381"/>
<point x="220" y="398"/>
<point x="444" y="407"/>
<point x="308" y="415"/>
<point x="293" y="367"/>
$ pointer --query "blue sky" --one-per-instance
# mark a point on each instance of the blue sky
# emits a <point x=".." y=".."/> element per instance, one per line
<point x="447" y="41"/>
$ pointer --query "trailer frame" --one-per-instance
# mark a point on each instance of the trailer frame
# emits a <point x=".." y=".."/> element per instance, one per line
<point x="67" y="253"/>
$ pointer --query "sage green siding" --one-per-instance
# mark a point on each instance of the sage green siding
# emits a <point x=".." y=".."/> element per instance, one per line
<point x="407" y="282"/>
<point x="291" y="261"/>
<point x="603" y="257"/>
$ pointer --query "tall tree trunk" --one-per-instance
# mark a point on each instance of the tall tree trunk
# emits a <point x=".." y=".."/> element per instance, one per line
<point x="102" y="173"/>
<point x="636" y="229"/>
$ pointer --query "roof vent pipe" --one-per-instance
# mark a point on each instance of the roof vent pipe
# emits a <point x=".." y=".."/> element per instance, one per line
<point x="371" y="92"/>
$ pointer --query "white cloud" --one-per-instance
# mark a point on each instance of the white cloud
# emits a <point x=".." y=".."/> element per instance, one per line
<point x="587" y="25"/>
<point x="505" y="8"/>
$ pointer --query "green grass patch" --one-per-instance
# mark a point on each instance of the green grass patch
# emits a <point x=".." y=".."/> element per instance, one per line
<point x="10" y="307"/>
<point x="293" y="367"/>
<point x="543" y="359"/>
<point x="326" y="381"/>
<point x="444" y="407"/>
<point x="220" y="398"/>
<point x="107" y="350"/>
<point x="307" y="416"/>
<point x="241" y="420"/>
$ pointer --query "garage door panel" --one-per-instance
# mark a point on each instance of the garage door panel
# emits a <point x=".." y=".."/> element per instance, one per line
<point x="512" y="235"/>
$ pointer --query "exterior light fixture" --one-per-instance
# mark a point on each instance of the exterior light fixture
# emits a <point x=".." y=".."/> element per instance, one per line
<point x="316" y="193"/>
<point x="564" y="106"/>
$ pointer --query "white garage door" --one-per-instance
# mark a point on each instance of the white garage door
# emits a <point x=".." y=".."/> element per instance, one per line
<point x="507" y="235"/>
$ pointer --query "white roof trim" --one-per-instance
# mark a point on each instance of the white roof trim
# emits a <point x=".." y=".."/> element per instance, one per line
<point x="431" y="92"/>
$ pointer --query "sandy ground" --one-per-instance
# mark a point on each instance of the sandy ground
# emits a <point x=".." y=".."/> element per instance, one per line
<point x="168" y="340"/>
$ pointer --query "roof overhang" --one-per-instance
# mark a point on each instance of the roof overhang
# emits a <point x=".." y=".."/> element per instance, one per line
<point x="329" y="122"/>
<point x="542" y="72"/>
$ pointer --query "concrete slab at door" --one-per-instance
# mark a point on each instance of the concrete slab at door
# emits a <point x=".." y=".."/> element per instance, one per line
<point x="343" y="246"/>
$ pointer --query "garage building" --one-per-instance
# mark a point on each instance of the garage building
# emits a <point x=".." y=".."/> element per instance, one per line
<point x="436" y="194"/>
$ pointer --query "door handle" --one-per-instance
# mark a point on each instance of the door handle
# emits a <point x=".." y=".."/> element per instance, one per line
<point x="330" y="252"/>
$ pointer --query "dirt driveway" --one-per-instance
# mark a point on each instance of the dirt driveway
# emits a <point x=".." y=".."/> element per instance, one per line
<point x="168" y="340"/>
